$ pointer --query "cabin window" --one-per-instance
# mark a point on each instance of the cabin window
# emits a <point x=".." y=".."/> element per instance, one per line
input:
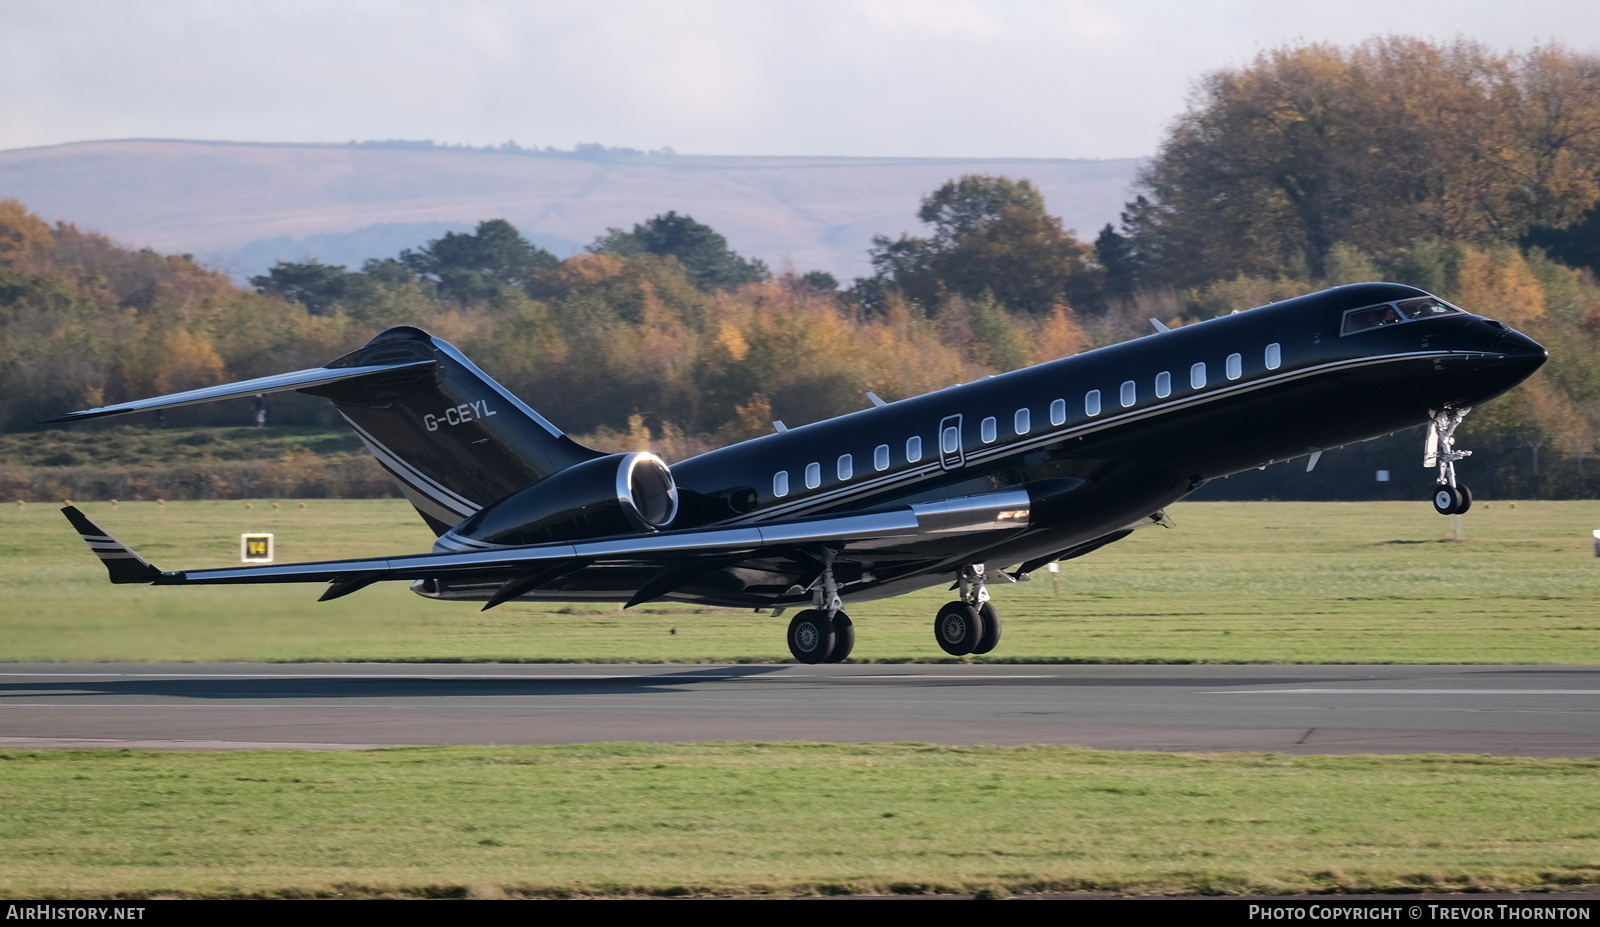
<point x="1130" y="394"/>
<point x="1163" y="385"/>
<point x="988" y="430"/>
<point x="1197" y="376"/>
<point x="880" y="457"/>
<point x="1058" y="412"/>
<point x="1022" y="422"/>
<point x="813" y="475"/>
<point x="1235" y="366"/>
<point x="1091" y="402"/>
<point x="847" y="467"/>
<point x="913" y="450"/>
<point x="1274" y="356"/>
<point x="950" y="440"/>
<point x="780" y="483"/>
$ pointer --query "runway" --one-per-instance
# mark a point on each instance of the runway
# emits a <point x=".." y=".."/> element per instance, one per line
<point x="1509" y="710"/>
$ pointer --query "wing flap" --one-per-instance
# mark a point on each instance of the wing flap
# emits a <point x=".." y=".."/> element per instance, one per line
<point x="528" y="581"/>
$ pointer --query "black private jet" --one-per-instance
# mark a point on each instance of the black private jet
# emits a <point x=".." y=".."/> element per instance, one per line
<point x="980" y="483"/>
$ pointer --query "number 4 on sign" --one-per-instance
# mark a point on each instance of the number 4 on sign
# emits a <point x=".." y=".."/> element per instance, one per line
<point x="255" y="548"/>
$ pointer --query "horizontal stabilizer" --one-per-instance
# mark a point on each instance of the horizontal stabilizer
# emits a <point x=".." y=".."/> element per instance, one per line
<point x="124" y="565"/>
<point x="299" y="379"/>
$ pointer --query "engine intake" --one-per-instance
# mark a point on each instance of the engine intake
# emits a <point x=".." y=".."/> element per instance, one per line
<point x="617" y="494"/>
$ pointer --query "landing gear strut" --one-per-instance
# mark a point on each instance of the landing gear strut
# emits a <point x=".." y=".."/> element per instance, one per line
<point x="970" y="624"/>
<point x="824" y="634"/>
<point x="1439" y="450"/>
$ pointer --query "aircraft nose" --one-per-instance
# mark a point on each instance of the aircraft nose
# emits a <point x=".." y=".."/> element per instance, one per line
<point x="1515" y="346"/>
<point x="1511" y="358"/>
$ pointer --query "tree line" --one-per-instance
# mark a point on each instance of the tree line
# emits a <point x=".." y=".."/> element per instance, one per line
<point x="661" y="329"/>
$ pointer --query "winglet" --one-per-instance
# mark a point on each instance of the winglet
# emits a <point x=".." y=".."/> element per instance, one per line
<point x="121" y="562"/>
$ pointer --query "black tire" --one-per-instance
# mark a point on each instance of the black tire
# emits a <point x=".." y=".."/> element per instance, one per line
<point x="1447" y="500"/>
<point x="958" y="628"/>
<point x="991" y="628"/>
<point x="1466" y="499"/>
<point x="810" y="636"/>
<point x="844" y="638"/>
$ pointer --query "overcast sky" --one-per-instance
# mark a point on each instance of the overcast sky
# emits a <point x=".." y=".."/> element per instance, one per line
<point x="945" y="78"/>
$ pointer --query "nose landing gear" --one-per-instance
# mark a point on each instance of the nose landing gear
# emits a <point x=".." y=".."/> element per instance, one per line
<point x="1439" y="450"/>
<point x="970" y="624"/>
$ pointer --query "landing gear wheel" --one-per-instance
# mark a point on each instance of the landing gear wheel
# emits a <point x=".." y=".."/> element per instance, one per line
<point x="811" y="636"/>
<point x="991" y="628"/>
<point x="1466" y="498"/>
<point x="844" y="638"/>
<point x="1447" y="500"/>
<point x="958" y="628"/>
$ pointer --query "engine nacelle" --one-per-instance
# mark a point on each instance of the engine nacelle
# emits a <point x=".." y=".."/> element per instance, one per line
<point x="617" y="494"/>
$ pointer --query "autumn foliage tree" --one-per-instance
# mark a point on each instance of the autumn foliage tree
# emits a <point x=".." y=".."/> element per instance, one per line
<point x="991" y="235"/>
<point x="472" y="267"/>
<point x="701" y="250"/>
<point x="1375" y="146"/>
<point x="23" y="235"/>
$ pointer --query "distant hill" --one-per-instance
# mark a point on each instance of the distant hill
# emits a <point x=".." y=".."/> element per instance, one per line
<point x="240" y="207"/>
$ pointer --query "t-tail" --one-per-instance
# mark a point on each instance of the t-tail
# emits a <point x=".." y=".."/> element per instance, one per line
<point x="452" y="438"/>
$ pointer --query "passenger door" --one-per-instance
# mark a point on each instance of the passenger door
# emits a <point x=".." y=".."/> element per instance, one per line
<point x="951" y="455"/>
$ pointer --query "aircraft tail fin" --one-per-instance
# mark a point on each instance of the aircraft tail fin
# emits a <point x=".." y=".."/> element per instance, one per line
<point x="452" y="438"/>
<point x="122" y="562"/>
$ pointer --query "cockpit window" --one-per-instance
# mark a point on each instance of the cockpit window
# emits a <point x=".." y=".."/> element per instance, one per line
<point x="1406" y="310"/>
<point x="1360" y="320"/>
<point x="1425" y="307"/>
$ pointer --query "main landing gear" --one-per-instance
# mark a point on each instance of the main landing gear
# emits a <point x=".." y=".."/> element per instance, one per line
<point x="816" y="638"/>
<point x="824" y="634"/>
<point x="970" y="624"/>
<point x="1439" y="450"/>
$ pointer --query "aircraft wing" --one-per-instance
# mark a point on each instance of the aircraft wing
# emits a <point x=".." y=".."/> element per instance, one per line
<point x="520" y="567"/>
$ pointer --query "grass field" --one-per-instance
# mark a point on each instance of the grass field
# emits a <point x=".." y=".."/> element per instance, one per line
<point x="1252" y="582"/>
<point x="639" y="819"/>
<point x="1232" y="582"/>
